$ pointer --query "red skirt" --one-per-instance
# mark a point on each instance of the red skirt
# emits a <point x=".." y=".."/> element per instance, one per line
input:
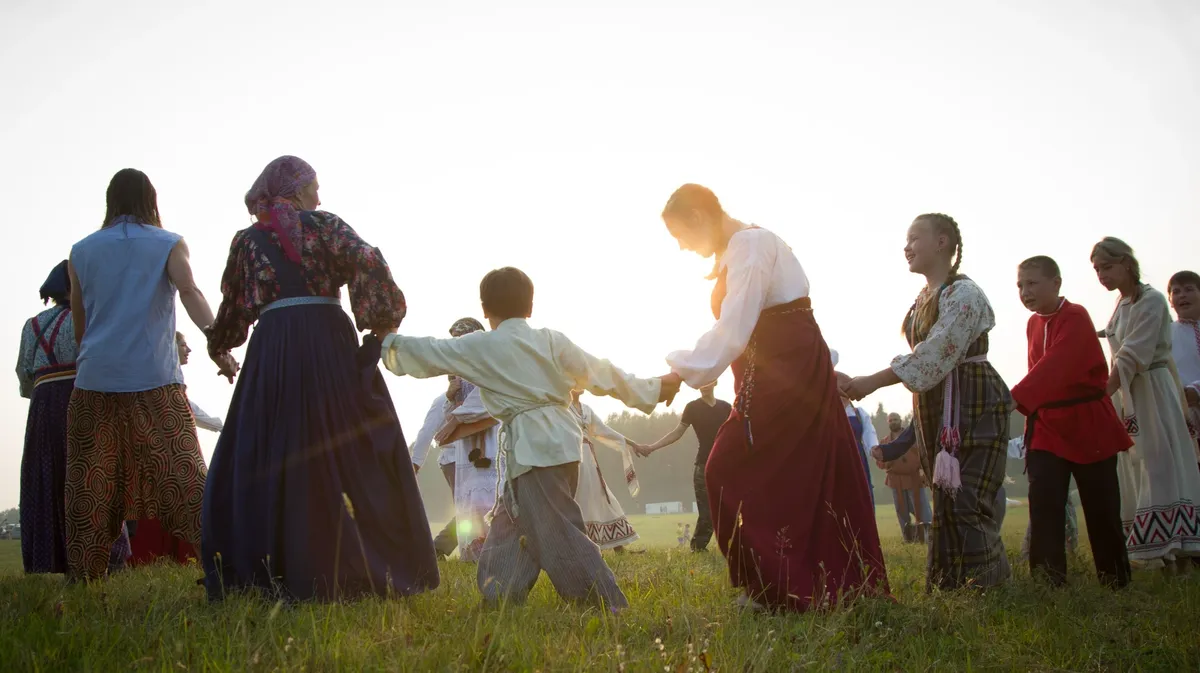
<point x="151" y="542"/>
<point x="789" y="498"/>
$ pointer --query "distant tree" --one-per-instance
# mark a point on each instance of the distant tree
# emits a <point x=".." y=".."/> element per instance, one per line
<point x="667" y="475"/>
<point x="10" y="516"/>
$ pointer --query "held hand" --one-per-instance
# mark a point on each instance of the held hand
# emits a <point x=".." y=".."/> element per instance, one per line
<point x="843" y="381"/>
<point x="1114" y="384"/>
<point x="1193" y="397"/>
<point x="669" y="388"/>
<point x="859" y="387"/>
<point x="227" y="366"/>
<point x="877" y="454"/>
<point x="380" y="332"/>
<point x="453" y="389"/>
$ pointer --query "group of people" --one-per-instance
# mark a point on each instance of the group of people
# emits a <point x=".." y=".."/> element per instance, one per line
<point x="312" y="490"/>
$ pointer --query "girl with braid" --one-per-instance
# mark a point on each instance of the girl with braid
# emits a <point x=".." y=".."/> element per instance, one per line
<point x="960" y="407"/>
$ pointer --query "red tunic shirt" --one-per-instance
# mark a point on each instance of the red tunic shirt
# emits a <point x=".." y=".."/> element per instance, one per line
<point x="1066" y="363"/>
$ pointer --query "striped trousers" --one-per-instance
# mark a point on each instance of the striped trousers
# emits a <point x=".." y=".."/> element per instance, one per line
<point x="548" y="534"/>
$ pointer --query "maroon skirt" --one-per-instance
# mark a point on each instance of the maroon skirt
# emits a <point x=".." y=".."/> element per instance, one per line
<point x="789" y="498"/>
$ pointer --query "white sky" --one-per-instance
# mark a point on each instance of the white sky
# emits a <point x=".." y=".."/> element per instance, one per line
<point x="460" y="137"/>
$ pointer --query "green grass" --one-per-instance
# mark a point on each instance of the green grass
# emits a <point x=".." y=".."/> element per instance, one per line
<point x="681" y="607"/>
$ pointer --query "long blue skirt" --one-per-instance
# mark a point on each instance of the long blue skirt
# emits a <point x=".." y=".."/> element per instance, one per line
<point x="43" y="483"/>
<point x="311" y="493"/>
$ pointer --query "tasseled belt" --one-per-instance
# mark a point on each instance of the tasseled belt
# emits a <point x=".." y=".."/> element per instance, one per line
<point x="946" y="471"/>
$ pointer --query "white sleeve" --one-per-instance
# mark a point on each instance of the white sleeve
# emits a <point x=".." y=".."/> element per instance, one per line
<point x="749" y="262"/>
<point x="432" y="423"/>
<point x="204" y="421"/>
<point x="1016" y="447"/>
<point x="870" y="437"/>
<point x="602" y="434"/>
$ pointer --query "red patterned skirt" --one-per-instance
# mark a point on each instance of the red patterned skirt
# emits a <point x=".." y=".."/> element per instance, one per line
<point x="789" y="498"/>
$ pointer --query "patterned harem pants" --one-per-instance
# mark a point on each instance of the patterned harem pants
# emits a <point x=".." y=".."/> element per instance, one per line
<point x="129" y="456"/>
<point x="547" y="534"/>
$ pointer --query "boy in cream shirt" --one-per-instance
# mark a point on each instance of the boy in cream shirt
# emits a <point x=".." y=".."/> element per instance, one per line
<point x="525" y="377"/>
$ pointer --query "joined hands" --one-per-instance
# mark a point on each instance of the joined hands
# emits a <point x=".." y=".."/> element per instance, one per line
<point x="855" y="388"/>
<point x="227" y="366"/>
<point x="669" y="388"/>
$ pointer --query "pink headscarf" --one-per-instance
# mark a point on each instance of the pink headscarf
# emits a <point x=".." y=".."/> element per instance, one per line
<point x="269" y="199"/>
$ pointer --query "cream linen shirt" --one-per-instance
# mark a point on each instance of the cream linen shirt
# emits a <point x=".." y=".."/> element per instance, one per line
<point x="525" y="376"/>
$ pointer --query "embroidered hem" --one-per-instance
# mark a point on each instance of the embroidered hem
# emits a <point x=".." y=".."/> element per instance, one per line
<point x="1156" y="531"/>
<point x="611" y="534"/>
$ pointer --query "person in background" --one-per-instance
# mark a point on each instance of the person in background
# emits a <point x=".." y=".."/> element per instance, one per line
<point x="149" y="541"/>
<point x="907" y="483"/>
<point x="1071" y="429"/>
<point x="470" y="433"/>
<point x="864" y="433"/>
<point x="1160" y="481"/>
<point x="603" y="517"/>
<point x="705" y="415"/>
<point x="132" y="451"/>
<point x="46" y="376"/>
<point x="446" y="541"/>
<point x="1184" y="292"/>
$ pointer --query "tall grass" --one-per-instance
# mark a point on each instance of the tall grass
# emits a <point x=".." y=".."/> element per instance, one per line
<point x="682" y="618"/>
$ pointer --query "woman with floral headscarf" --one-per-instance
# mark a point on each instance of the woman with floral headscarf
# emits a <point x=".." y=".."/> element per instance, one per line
<point x="46" y="374"/>
<point x="311" y="492"/>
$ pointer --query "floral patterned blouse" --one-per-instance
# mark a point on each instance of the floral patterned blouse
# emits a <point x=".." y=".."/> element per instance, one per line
<point x="331" y="254"/>
<point x="964" y="315"/>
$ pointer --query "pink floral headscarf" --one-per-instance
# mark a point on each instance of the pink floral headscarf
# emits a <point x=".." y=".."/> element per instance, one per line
<point x="269" y="199"/>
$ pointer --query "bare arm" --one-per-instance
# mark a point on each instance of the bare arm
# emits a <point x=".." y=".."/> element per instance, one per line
<point x="669" y="438"/>
<point x="78" y="318"/>
<point x="468" y="429"/>
<point x="179" y="270"/>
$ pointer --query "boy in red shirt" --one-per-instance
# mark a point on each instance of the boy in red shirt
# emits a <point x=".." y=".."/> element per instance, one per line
<point x="1071" y="428"/>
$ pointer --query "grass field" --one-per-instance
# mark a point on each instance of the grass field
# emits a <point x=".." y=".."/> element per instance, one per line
<point x="681" y="618"/>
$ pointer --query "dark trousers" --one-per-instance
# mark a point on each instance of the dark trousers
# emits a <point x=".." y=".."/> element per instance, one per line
<point x="1100" y="496"/>
<point x="447" y="540"/>
<point x="704" y="526"/>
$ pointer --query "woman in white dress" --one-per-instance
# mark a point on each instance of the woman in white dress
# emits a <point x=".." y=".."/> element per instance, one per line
<point x="471" y="437"/>
<point x="475" y="473"/>
<point x="603" y="516"/>
<point x="1160" y="482"/>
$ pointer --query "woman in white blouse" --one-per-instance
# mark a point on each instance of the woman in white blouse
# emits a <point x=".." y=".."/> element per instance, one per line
<point x="1160" y="483"/>
<point x="961" y="408"/>
<point x="789" y="501"/>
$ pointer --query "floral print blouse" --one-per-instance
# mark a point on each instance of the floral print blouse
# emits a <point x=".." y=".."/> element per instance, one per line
<point x="331" y="254"/>
<point x="964" y="315"/>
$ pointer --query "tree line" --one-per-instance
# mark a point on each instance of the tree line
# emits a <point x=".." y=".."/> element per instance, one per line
<point x="666" y="476"/>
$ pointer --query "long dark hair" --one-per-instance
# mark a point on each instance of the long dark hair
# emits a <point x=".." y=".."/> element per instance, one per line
<point x="130" y="193"/>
